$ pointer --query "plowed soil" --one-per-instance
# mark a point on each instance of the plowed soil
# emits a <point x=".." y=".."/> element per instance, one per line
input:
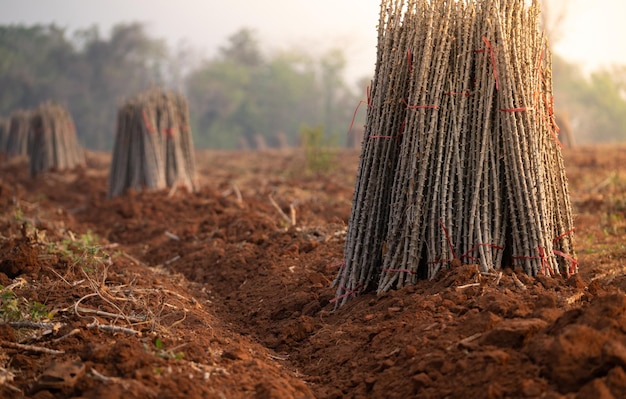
<point x="218" y="294"/>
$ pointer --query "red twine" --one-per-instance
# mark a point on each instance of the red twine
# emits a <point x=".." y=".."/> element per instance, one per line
<point x="574" y="262"/>
<point x="347" y="294"/>
<point x="367" y="93"/>
<point x="521" y="109"/>
<point x="544" y="261"/>
<point x="445" y="231"/>
<point x="550" y="106"/>
<point x="340" y="264"/>
<point x="564" y="235"/>
<point x="493" y="59"/>
<point x="391" y="137"/>
<point x="542" y="257"/>
<point x="545" y="265"/>
<point x="146" y="121"/>
<point x="539" y="70"/>
<point x="554" y="133"/>
<point x="170" y="132"/>
<point x="419" y="106"/>
<point x="465" y="255"/>
<point x="468" y="256"/>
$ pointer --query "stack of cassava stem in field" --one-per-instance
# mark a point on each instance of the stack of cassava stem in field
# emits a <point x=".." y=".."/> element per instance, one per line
<point x="461" y="161"/>
<point x="53" y="144"/>
<point x="18" y="134"/>
<point x="153" y="144"/>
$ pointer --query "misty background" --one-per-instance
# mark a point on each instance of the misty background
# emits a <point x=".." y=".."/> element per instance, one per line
<point x="257" y="73"/>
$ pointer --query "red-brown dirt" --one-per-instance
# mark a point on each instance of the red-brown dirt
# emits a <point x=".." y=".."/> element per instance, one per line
<point x="215" y="294"/>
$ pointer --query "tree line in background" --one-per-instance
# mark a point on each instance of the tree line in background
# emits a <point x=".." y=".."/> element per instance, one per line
<point x="243" y="96"/>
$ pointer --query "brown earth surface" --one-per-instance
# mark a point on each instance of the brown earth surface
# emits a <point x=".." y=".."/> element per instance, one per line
<point x="215" y="294"/>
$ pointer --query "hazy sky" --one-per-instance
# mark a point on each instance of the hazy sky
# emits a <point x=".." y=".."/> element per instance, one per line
<point x="594" y="32"/>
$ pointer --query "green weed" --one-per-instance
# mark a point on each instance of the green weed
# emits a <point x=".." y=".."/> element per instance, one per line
<point x="319" y="150"/>
<point x="165" y="353"/>
<point x="84" y="250"/>
<point x="39" y="312"/>
<point x="12" y="309"/>
<point x="9" y="306"/>
<point x="18" y="214"/>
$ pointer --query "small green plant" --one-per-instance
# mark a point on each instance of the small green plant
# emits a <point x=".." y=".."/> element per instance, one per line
<point x="165" y="353"/>
<point x="613" y="224"/>
<point x="19" y="214"/>
<point x="39" y="312"/>
<point x="13" y="308"/>
<point x="9" y="305"/>
<point x="318" y="149"/>
<point x="84" y="249"/>
<point x="87" y="243"/>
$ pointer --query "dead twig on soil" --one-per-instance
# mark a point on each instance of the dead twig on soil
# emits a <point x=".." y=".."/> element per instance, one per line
<point x="276" y="357"/>
<point x="101" y="377"/>
<point x="280" y="211"/>
<point x="74" y="284"/>
<point x="497" y="282"/>
<point x="30" y="348"/>
<point x="206" y="369"/>
<point x="172" y="236"/>
<point x="465" y="341"/>
<point x="518" y="283"/>
<point x="79" y="309"/>
<point x="292" y="211"/>
<point x="97" y="292"/>
<point x="234" y="189"/>
<point x="177" y="322"/>
<point x="113" y="329"/>
<point x="69" y="334"/>
<point x="159" y="291"/>
<point x="32" y="324"/>
<point x="574" y="298"/>
<point x="5" y="377"/>
<point x="610" y="274"/>
<point x="133" y="259"/>
<point x="462" y="287"/>
<point x="19" y="283"/>
<point x="168" y="262"/>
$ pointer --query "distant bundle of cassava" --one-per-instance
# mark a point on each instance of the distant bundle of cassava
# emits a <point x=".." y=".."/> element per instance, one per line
<point x="153" y="144"/>
<point x="4" y="134"/>
<point x="18" y="134"/>
<point x="52" y="143"/>
<point x="461" y="160"/>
